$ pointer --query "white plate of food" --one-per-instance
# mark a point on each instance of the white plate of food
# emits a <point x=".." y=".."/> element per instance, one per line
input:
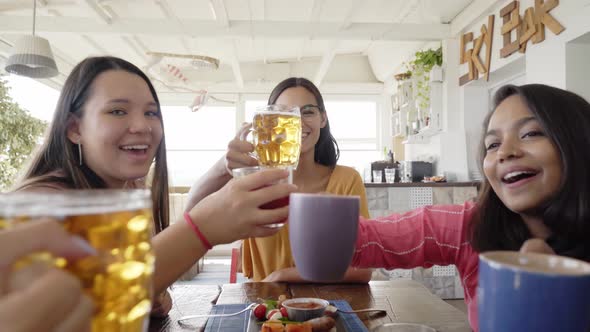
<point x="308" y="314"/>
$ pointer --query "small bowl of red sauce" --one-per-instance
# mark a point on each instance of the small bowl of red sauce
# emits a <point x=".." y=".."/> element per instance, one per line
<point x="305" y="308"/>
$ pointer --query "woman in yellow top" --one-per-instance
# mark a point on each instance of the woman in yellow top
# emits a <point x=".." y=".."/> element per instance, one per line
<point x="270" y="259"/>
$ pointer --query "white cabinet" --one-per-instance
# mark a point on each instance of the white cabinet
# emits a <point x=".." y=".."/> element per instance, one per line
<point x="404" y="93"/>
<point x="398" y="124"/>
<point x="410" y="122"/>
<point x="433" y="119"/>
<point x="402" y="103"/>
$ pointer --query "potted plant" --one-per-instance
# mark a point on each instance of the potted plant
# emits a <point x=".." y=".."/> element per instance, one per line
<point x="420" y="68"/>
<point x="403" y="76"/>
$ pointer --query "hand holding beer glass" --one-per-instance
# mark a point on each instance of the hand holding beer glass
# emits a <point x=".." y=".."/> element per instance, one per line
<point x="118" y="224"/>
<point x="276" y="131"/>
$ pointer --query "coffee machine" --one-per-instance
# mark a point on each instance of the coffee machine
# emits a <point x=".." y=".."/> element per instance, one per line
<point x="415" y="171"/>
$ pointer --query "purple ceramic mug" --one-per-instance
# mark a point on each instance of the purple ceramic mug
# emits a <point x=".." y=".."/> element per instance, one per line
<point x="322" y="232"/>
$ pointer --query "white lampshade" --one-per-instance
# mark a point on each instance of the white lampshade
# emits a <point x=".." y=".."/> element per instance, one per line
<point x="32" y="57"/>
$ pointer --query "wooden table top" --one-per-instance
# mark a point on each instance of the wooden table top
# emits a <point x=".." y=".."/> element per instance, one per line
<point x="404" y="300"/>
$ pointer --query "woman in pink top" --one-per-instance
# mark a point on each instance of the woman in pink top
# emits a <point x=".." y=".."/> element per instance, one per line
<point x="536" y="193"/>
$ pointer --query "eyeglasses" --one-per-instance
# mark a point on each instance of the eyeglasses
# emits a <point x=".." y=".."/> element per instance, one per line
<point x="309" y="111"/>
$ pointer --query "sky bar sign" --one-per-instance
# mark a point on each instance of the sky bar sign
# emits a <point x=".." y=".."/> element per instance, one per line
<point x="516" y="31"/>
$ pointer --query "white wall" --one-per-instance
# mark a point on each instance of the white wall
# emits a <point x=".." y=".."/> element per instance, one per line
<point x="425" y="152"/>
<point x="474" y="100"/>
<point x="550" y="62"/>
<point x="578" y="68"/>
<point x="453" y="154"/>
<point x="545" y="62"/>
<point x="464" y="108"/>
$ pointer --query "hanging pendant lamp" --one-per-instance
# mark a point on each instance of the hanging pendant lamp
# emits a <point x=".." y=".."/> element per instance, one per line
<point x="31" y="55"/>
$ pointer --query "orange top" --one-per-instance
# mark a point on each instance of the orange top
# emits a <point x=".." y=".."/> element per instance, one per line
<point x="262" y="256"/>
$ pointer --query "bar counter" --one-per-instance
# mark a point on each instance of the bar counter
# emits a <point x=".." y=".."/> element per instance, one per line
<point x="422" y="184"/>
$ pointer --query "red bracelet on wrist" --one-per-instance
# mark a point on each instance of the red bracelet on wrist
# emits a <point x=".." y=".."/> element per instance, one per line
<point x="197" y="231"/>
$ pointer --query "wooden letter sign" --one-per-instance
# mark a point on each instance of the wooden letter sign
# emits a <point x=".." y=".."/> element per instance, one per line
<point x="530" y="27"/>
<point x="471" y="56"/>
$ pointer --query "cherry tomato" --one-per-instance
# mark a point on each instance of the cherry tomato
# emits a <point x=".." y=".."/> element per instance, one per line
<point x="260" y="311"/>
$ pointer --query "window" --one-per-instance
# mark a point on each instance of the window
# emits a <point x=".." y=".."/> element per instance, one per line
<point x="36" y="97"/>
<point x="196" y="140"/>
<point x="353" y="124"/>
<point x="251" y="106"/>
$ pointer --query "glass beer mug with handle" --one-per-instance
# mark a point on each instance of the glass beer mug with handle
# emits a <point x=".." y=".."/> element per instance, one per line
<point x="118" y="224"/>
<point x="276" y="132"/>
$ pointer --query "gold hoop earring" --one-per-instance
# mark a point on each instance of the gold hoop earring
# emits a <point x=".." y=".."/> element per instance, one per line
<point x="80" y="153"/>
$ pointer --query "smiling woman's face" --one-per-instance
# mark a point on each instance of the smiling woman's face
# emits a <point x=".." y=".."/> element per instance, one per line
<point x="312" y="119"/>
<point x="119" y="130"/>
<point x="521" y="162"/>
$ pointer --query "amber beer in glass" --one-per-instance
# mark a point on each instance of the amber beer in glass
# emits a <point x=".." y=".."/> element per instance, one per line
<point x="118" y="224"/>
<point x="277" y="135"/>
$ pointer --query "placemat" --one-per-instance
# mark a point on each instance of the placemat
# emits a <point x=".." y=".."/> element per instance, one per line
<point x="351" y="322"/>
<point x="239" y="323"/>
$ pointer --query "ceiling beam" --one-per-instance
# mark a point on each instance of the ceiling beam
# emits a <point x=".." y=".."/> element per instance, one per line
<point x="245" y="28"/>
<point x="302" y="47"/>
<point x="186" y="44"/>
<point x="406" y="10"/>
<point x="165" y="9"/>
<point x="354" y="8"/>
<point x="370" y="89"/>
<point x="257" y="9"/>
<point x="316" y="10"/>
<point x="137" y="46"/>
<point x="219" y="12"/>
<point x="475" y="11"/>
<point x="325" y="63"/>
<point x="99" y="11"/>
<point x="168" y="12"/>
<point x="96" y="45"/>
<point x="5" y="51"/>
<point x="331" y="51"/>
<point x="235" y="66"/>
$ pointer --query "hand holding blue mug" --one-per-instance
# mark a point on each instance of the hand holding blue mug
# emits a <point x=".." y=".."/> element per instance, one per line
<point x="532" y="292"/>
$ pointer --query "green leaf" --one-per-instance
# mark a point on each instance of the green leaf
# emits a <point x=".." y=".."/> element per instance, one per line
<point x="271" y="304"/>
<point x="19" y="134"/>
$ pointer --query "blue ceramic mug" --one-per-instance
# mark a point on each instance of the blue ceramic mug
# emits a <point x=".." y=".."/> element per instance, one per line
<point x="322" y="234"/>
<point x="532" y="292"/>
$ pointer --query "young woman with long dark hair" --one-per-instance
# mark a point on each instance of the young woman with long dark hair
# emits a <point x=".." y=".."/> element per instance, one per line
<point x="107" y="131"/>
<point x="535" y="194"/>
<point x="270" y="259"/>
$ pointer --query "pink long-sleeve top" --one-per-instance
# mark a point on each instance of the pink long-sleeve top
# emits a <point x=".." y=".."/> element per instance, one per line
<point x="430" y="235"/>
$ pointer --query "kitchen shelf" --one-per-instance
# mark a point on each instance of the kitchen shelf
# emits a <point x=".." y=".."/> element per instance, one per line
<point x="404" y="93"/>
<point x="404" y="108"/>
<point x="417" y="139"/>
<point x="398" y="123"/>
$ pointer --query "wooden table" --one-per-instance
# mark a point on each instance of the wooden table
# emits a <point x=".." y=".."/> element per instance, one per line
<point x="404" y="300"/>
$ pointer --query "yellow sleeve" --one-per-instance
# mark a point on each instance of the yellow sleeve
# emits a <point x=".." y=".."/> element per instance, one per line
<point x="358" y="188"/>
<point x="347" y="181"/>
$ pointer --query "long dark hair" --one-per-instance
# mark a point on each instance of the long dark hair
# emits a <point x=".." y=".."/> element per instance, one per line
<point x="57" y="159"/>
<point x="326" y="151"/>
<point x="565" y="118"/>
